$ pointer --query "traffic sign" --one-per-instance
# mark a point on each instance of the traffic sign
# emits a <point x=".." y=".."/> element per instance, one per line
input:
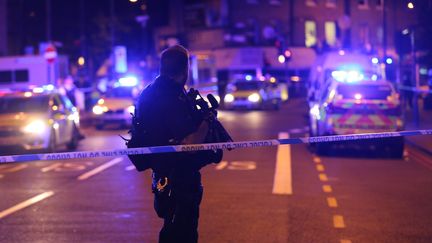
<point x="50" y="53"/>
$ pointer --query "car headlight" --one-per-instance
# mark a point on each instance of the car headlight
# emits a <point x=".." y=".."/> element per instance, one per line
<point x="98" y="110"/>
<point x="254" y="97"/>
<point x="35" y="127"/>
<point x="131" y="109"/>
<point x="229" y="98"/>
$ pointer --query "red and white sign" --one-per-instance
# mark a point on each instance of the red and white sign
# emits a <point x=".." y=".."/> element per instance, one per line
<point x="50" y="53"/>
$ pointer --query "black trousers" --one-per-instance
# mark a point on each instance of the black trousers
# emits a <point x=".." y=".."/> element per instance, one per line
<point x="180" y="208"/>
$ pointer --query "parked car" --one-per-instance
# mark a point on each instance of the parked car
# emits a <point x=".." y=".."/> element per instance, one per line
<point x="38" y="119"/>
<point x="253" y="94"/>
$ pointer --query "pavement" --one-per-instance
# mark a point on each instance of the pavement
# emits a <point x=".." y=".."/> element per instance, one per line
<point x="423" y="143"/>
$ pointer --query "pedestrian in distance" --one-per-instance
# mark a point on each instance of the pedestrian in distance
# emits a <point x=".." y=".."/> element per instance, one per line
<point x="164" y="115"/>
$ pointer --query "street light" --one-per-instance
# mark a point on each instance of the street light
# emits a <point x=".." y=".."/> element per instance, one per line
<point x="410" y="5"/>
<point x="133" y="1"/>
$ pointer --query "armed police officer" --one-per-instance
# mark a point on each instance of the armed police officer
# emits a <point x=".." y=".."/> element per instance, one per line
<point x="164" y="115"/>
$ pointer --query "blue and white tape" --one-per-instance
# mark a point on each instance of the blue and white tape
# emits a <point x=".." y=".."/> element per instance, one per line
<point x="414" y="89"/>
<point x="206" y="146"/>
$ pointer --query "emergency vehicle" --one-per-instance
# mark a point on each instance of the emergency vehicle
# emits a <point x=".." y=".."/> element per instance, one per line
<point x="324" y="65"/>
<point x="21" y="72"/>
<point x="353" y="101"/>
<point x="252" y="94"/>
<point x="37" y="119"/>
<point x="116" y="106"/>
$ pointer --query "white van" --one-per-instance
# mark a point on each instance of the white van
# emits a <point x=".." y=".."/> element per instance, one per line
<point x="21" y="72"/>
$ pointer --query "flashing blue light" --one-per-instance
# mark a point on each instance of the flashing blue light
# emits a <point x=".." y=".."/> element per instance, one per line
<point x="248" y="77"/>
<point x="128" y="81"/>
<point x="350" y="76"/>
<point x="389" y="60"/>
<point x="375" y="60"/>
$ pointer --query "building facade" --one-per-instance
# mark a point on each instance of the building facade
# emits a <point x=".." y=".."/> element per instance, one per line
<point x="223" y="29"/>
<point x="3" y="28"/>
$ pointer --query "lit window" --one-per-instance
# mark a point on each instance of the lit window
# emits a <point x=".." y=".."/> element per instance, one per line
<point x="275" y="2"/>
<point x="380" y="34"/>
<point x="330" y="33"/>
<point x="331" y="3"/>
<point x="363" y="4"/>
<point x="364" y="34"/>
<point x="310" y="33"/>
<point x="311" y="3"/>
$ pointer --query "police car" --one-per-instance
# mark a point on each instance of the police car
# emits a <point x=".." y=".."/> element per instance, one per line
<point x="37" y="119"/>
<point x="252" y="94"/>
<point x="116" y="106"/>
<point x="354" y="101"/>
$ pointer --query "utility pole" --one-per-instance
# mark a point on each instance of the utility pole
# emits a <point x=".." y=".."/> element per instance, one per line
<point x="414" y="79"/>
<point x="48" y="21"/>
<point x="347" y="33"/>
<point x="291" y="22"/>
<point x="83" y="42"/>
<point x="384" y="25"/>
<point x="112" y="37"/>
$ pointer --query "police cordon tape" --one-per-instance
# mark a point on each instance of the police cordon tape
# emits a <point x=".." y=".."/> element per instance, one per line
<point x="205" y="146"/>
<point x="414" y="89"/>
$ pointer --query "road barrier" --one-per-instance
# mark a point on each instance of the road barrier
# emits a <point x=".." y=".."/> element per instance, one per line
<point x="206" y="146"/>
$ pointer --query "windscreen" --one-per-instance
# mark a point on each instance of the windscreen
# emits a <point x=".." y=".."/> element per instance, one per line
<point x="248" y="85"/>
<point x="23" y="104"/>
<point x="375" y="92"/>
<point x="120" y="92"/>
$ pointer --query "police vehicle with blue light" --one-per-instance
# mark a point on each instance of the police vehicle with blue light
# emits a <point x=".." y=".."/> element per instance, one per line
<point x="38" y="118"/>
<point x="351" y="98"/>
<point x="116" y="106"/>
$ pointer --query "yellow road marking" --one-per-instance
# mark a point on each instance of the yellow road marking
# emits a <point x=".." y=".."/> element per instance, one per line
<point x="338" y="221"/>
<point x="99" y="169"/>
<point x="327" y="188"/>
<point x="320" y="168"/>
<point x="317" y="160"/>
<point x="323" y="177"/>
<point x="332" y="202"/>
<point x="26" y="203"/>
<point x="345" y="241"/>
<point x="222" y="165"/>
<point x="15" y="168"/>
<point x="282" y="183"/>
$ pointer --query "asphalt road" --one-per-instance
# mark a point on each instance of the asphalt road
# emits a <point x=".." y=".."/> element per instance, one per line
<point x="272" y="194"/>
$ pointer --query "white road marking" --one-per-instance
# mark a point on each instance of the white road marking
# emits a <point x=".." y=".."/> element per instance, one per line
<point x="130" y="167"/>
<point x="221" y="165"/>
<point x="15" y="168"/>
<point x="282" y="183"/>
<point x="99" y="169"/>
<point x="242" y="165"/>
<point x="26" y="203"/>
<point x="51" y="167"/>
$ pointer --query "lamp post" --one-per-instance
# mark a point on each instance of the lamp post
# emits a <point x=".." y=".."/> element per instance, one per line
<point x="414" y="79"/>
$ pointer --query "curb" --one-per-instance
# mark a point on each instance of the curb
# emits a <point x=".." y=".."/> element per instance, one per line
<point x="419" y="147"/>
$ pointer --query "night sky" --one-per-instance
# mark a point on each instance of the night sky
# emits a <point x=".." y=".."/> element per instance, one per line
<point x="27" y="25"/>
